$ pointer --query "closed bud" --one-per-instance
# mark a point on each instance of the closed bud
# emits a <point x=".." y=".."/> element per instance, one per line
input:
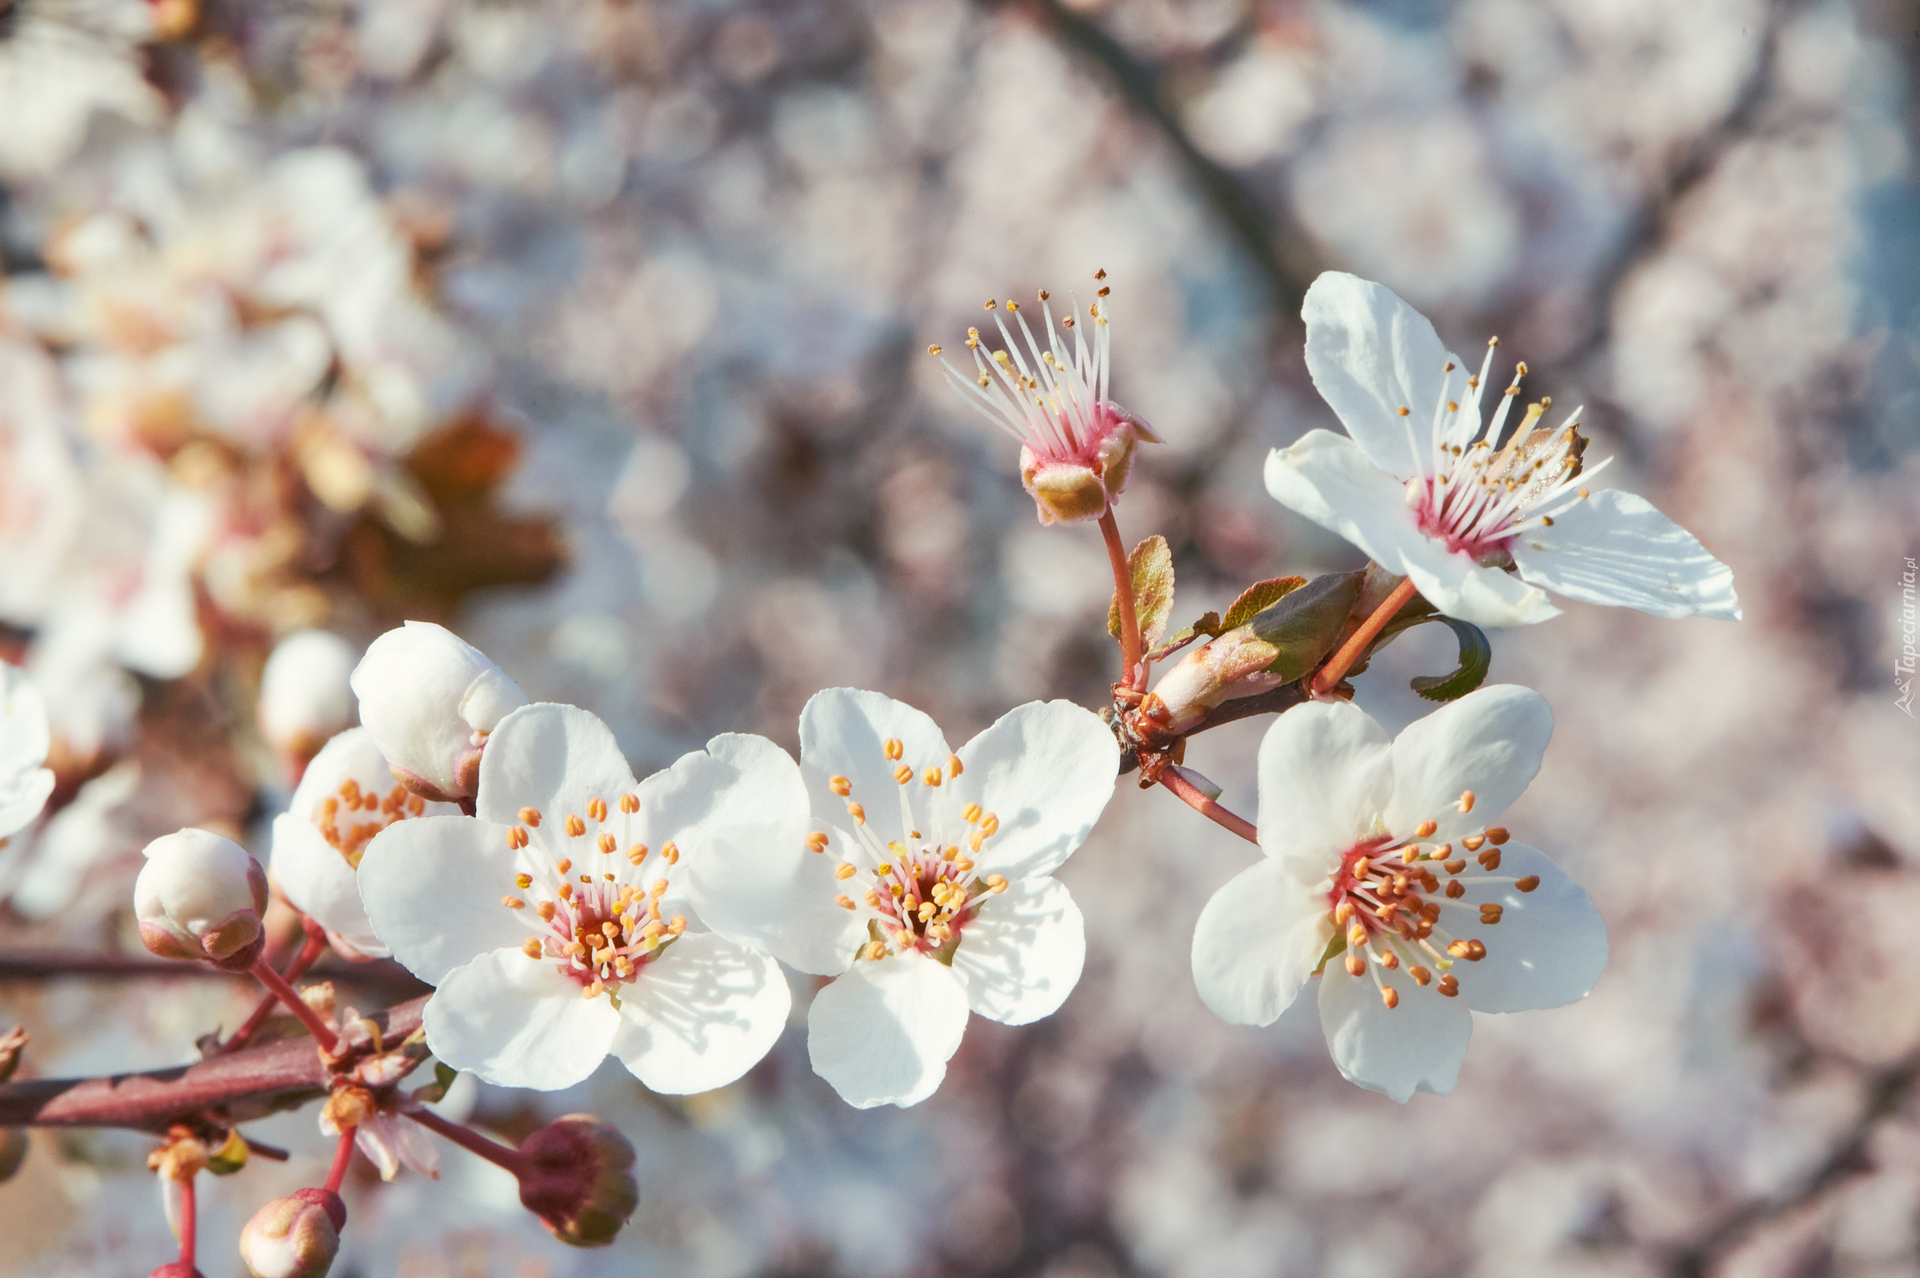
<point x="305" y="699"/>
<point x="294" y="1237"/>
<point x="430" y="698"/>
<point x="579" y="1179"/>
<point x="201" y="896"/>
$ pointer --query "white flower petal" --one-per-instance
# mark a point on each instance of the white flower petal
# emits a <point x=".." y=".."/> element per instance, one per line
<point x="1549" y="946"/>
<point x="320" y="883"/>
<point x="517" y="1022"/>
<point x="1046" y="770"/>
<point x="22" y="801"/>
<point x="754" y="880"/>
<point x="1021" y="955"/>
<point x="1325" y="773"/>
<point x="700" y="1015"/>
<point x="1372" y="355"/>
<point x="842" y="732"/>
<point x="741" y="791"/>
<point x="432" y="889"/>
<point x="24" y="741"/>
<point x="1615" y="548"/>
<point x="1330" y="479"/>
<point x="553" y="759"/>
<point x="1459" y="587"/>
<point x="1258" y="941"/>
<point x="882" y="1033"/>
<point x="1490" y="741"/>
<point x="1397" y="1051"/>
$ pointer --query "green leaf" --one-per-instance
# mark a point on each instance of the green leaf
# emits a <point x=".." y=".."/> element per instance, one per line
<point x="1258" y="597"/>
<point x="1307" y="622"/>
<point x="1476" y="655"/>
<point x="1151" y="567"/>
<point x="1208" y="624"/>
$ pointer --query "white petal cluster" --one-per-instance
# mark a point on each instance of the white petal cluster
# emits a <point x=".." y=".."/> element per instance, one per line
<point x="430" y="698"/>
<point x="1384" y="846"/>
<point x="346" y="796"/>
<point x="24" y="782"/>
<point x="555" y="922"/>
<point x="1417" y="485"/>
<point x="921" y="879"/>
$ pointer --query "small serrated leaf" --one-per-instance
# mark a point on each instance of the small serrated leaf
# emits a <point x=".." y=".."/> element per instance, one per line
<point x="1307" y="622"/>
<point x="1258" y="598"/>
<point x="1476" y="655"/>
<point x="1151" y="568"/>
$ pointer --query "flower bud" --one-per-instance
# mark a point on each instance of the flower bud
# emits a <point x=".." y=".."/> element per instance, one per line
<point x="294" y="1237"/>
<point x="579" y="1179"/>
<point x="429" y="698"/>
<point x="201" y="896"/>
<point x="305" y="698"/>
<point x="1074" y="484"/>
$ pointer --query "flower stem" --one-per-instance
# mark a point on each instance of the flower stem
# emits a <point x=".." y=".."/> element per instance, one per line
<point x="1123" y="592"/>
<point x="189" y="1222"/>
<point x="309" y="951"/>
<point x="1191" y="795"/>
<point x="470" y="1140"/>
<point x="1338" y="664"/>
<point x="322" y="1034"/>
<point x="341" y="1157"/>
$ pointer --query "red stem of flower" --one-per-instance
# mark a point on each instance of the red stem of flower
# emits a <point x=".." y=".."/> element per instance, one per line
<point x="1338" y="664"/>
<point x="470" y="1140"/>
<point x="1130" y="674"/>
<point x="1206" y="807"/>
<point x="315" y="943"/>
<point x="341" y="1157"/>
<point x="189" y="1223"/>
<point x="295" y="1004"/>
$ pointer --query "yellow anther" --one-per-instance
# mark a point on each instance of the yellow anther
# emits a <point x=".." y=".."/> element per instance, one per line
<point x="1389" y="996"/>
<point x="658" y="888"/>
<point x="603" y="955"/>
<point x="1403" y="410"/>
<point x="546" y="910"/>
<point x="931" y="777"/>
<point x="1497" y="834"/>
<point x="594" y="990"/>
<point x="1490" y="914"/>
<point x="858" y="813"/>
<point x="995" y="883"/>
<point x="608" y="844"/>
<point x="953" y="851"/>
<point x="1356" y="936"/>
<point x="575" y="826"/>
<point x="845" y="902"/>
<point x="637" y="853"/>
<point x="530" y="818"/>
<point x="1410" y="854"/>
<point x="671" y="851"/>
<point x="629" y="803"/>
<point x="677" y="924"/>
<point x="885" y="868"/>
<point x="523" y="881"/>
<point x="934" y="349"/>
<point x="1473" y="842"/>
<point x="1454" y="867"/>
<point x="1389" y="960"/>
<point x="873" y="899"/>
<point x="1420" y="975"/>
<point x="875" y="950"/>
<point x="1489" y="859"/>
<point x="990" y="824"/>
<point x="513" y="903"/>
<point x="846" y="870"/>
<point x="1425" y="830"/>
<point x="1529" y="883"/>
<point x="1356" y="966"/>
<point x="903" y="774"/>
<point x="970" y="813"/>
<point x="894" y="748"/>
<point x="817" y="841"/>
<point x="1456" y="889"/>
<point x="1466" y="801"/>
<point x="1460" y="949"/>
<point x="516" y="837"/>
<point x="586" y="878"/>
<point x="531" y="948"/>
<point x="1361" y="867"/>
<point x="566" y="891"/>
<point x="597" y="809"/>
<point x="840" y="786"/>
<point x="925" y="911"/>
<point x="954" y="767"/>
<point x="563" y="865"/>
<point x="1344" y="913"/>
<point x="963" y="865"/>
<point x="610" y="928"/>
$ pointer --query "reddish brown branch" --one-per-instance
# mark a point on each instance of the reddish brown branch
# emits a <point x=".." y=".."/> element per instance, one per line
<point x="243" y="1085"/>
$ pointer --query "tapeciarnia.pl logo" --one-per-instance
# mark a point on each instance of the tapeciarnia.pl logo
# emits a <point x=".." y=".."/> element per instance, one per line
<point x="1903" y="665"/>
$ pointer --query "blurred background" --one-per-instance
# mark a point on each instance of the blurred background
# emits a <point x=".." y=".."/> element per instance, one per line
<point x="596" y="330"/>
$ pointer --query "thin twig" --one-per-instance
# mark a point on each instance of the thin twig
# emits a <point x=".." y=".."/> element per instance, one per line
<point x="1194" y="798"/>
<point x="1123" y="600"/>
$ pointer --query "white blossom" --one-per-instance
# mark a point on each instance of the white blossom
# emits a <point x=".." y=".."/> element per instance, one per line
<point x="1428" y="496"/>
<point x="1383" y="846"/>
<point x="923" y="883"/>
<point x="346" y="797"/>
<point x="305" y="697"/>
<point x="24" y="740"/>
<point x="201" y="896"/>
<point x="555" y="922"/>
<point x="430" y="698"/>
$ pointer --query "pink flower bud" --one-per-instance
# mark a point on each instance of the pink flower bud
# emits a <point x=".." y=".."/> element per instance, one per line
<point x="305" y="698"/>
<point x="201" y="896"/>
<point x="580" y="1179"/>
<point x="294" y="1237"/>
<point x="429" y="698"/>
